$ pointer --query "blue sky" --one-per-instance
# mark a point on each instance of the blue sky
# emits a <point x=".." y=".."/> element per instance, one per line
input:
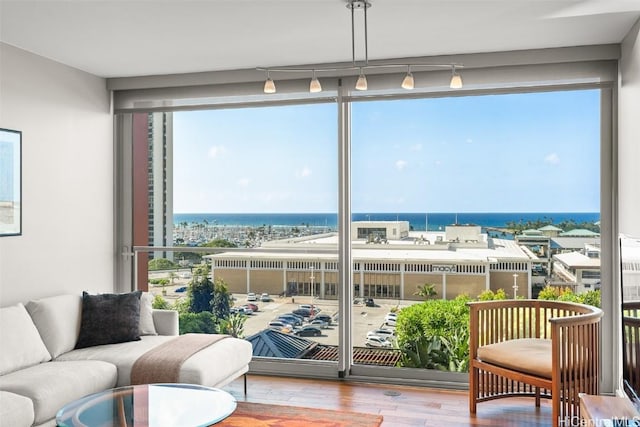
<point x="496" y="153"/>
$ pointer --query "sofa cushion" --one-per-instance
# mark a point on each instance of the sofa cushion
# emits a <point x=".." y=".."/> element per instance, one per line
<point x="109" y="319"/>
<point x="16" y="410"/>
<point x="52" y="385"/>
<point x="528" y="355"/>
<point x="58" y="321"/>
<point x="19" y="339"/>
<point x="213" y="366"/>
<point x="147" y="326"/>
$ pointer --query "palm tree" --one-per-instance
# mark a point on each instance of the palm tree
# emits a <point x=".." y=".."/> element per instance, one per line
<point x="172" y="277"/>
<point x="234" y="325"/>
<point x="427" y="291"/>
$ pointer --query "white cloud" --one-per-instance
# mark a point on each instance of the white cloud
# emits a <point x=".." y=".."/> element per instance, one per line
<point x="216" y="151"/>
<point x="243" y="182"/>
<point x="401" y="164"/>
<point x="416" y="147"/>
<point x="552" y="159"/>
<point x="306" y="171"/>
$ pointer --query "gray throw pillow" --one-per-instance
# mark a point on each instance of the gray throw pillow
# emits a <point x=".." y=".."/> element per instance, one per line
<point x="109" y="319"/>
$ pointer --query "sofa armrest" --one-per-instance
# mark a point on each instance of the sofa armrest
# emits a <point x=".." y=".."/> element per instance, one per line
<point x="165" y="321"/>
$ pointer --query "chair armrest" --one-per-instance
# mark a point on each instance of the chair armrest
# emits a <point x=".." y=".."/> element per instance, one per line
<point x="165" y="321"/>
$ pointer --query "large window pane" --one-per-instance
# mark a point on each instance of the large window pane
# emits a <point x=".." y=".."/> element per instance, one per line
<point x="258" y="186"/>
<point x="466" y="197"/>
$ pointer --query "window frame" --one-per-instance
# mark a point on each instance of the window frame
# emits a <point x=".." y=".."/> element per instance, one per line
<point x="512" y="74"/>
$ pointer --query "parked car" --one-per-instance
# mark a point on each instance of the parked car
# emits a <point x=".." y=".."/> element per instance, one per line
<point x="291" y="320"/>
<point x="253" y="307"/>
<point x="297" y="316"/>
<point x="319" y="323"/>
<point x="369" y="302"/>
<point x="279" y="325"/>
<point x="265" y="298"/>
<point x="310" y="307"/>
<point x="304" y="312"/>
<point x="245" y="310"/>
<point x="252" y="297"/>
<point x="308" y="331"/>
<point x="376" y="341"/>
<point x="181" y="289"/>
<point x="324" y="317"/>
<point x="390" y="320"/>
<point x="383" y="333"/>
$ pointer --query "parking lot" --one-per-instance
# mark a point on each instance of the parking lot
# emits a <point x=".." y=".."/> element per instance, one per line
<point x="364" y="318"/>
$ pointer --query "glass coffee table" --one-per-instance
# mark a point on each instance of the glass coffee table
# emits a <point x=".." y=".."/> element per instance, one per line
<point x="149" y="405"/>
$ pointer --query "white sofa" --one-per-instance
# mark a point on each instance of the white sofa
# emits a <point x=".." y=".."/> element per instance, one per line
<point x="41" y="371"/>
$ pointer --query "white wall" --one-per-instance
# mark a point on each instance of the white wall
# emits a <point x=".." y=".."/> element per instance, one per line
<point x="67" y="190"/>
<point x="629" y="133"/>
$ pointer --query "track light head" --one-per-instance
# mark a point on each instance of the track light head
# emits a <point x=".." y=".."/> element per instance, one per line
<point x="456" y="80"/>
<point x="314" y="84"/>
<point x="407" y="82"/>
<point x="269" y="84"/>
<point x="361" y="84"/>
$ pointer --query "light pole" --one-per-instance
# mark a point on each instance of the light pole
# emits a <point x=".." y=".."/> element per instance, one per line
<point x="312" y="278"/>
<point x="515" y="285"/>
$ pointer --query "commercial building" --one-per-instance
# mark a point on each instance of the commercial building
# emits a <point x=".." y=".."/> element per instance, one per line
<point x="459" y="260"/>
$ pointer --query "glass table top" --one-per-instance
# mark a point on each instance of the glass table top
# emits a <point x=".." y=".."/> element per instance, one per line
<point x="149" y="405"/>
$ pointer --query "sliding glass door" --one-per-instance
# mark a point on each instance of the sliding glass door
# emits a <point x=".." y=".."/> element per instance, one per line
<point x="343" y="237"/>
<point x="489" y="196"/>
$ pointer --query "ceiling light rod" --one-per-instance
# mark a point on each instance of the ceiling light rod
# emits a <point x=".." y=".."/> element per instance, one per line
<point x="361" y="84"/>
<point x="364" y="5"/>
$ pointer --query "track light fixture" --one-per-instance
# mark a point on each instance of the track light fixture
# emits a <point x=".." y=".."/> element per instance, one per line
<point x="407" y="82"/>
<point x="314" y="85"/>
<point x="269" y="84"/>
<point x="360" y="66"/>
<point x="456" y="80"/>
<point x="361" y="84"/>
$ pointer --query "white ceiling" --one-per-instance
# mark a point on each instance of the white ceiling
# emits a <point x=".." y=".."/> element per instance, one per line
<point x="120" y="38"/>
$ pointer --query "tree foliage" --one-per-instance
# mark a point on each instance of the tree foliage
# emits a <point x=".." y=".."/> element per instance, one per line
<point x="489" y="295"/>
<point x="161" y="264"/>
<point x="566" y="294"/>
<point x="434" y="334"/>
<point x="234" y="325"/>
<point x="426" y="291"/>
<point x="219" y="243"/>
<point x="221" y="301"/>
<point x="200" y="290"/>
<point x="160" y="303"/>
<point x="198" y="323"/>
<point x="567" y="225"/>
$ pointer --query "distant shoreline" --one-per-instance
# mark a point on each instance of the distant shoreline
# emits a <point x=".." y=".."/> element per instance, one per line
<point x="417" y="221"/>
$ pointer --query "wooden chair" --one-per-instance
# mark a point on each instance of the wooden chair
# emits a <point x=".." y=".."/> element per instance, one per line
<point x="534" y="348"/>
<point x="631" y="343"/>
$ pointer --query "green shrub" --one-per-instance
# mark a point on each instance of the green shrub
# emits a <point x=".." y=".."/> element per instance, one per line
<point x="161" y="264"/>
<point x="435" y="334"/>
<point x="566" y="294"/>
<point x="198" y="323"/>
<point x="160" y="303"/>
<point x="489" y="295"/>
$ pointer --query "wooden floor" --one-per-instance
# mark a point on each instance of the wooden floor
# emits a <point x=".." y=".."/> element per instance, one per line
<point x="400" y="405"/>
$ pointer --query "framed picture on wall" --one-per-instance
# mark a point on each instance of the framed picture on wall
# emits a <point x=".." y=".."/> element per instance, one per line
<point x="10" y="182"/>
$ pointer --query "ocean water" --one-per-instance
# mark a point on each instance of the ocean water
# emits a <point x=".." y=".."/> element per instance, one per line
<point x="418" y="221"/>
